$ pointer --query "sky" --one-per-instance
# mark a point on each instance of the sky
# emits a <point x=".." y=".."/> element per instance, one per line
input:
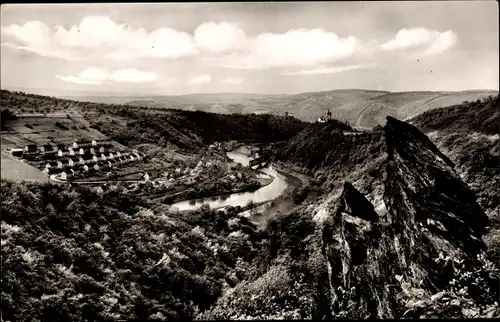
<point x="181" y="48"/>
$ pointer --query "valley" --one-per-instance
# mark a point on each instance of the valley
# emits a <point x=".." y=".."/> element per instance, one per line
<point x="139" y="215"/>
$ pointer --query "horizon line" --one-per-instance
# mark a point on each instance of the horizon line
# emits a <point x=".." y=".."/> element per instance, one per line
<point x="125" y="94"/>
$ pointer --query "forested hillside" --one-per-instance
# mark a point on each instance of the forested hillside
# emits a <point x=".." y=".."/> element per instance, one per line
<point x="69" y="254"/>
<point x="184" y="129"/>
<point x="189" y="129"/>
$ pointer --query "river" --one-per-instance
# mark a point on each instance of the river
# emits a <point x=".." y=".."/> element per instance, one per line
<point x="266" y="193"/>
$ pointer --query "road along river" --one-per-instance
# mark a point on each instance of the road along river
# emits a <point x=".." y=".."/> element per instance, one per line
<point x="266" y="193"/>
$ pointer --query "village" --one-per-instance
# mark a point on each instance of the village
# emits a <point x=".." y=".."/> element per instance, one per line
<point x="103" y="165"/>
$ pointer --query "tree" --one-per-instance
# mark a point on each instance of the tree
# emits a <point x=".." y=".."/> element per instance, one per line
<point x="251" y="206"/>
<point x="5" y="116"/>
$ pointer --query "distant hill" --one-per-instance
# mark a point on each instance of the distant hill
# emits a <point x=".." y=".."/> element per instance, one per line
<point x="362" y="108"/>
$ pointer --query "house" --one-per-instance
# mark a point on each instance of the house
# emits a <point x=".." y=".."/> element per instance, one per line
<point x="81" y="161"/>
<point x="103" y="157"/>
<point x="64" y="176"/>
<point x="146" y="177"/>
<point x="59" y="164"/>
<point x="111" y="156"/>
<point x="88" y="158"/>
<point x="95" y="159"/>
<point x="96" y="167"/>
<point x="71" y="151"/>
<point x="104" y="142"/>
<point x="30" y="148"/>
<point x="118" y="154"/>
<point x="102" y="149"/>
<point x="60" y="153"/>
<point x="84" y="144"/>
<point x="92" y="151"/>
<point x="132" y="158"/>
<point x="73" y="162"/>
<point x="75" y="145"/>
<point x="46" y="148"/>
<point x="17" y="152"/>
<point x="94" y="143"/>
<point x="81" y="151"/>
<point x="86" y="168"/>
<point x="48" y="165"/>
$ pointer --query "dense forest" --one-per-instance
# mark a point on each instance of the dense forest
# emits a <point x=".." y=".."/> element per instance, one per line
<point x="71" y="255"/>
<point x="189" y="129"/>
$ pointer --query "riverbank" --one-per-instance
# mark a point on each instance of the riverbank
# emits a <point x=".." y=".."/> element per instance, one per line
<point x="262" y="212"/>
<point x="194" y="196"/>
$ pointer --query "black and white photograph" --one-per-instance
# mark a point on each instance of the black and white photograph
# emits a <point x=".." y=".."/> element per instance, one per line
<point x="180" y="161"/>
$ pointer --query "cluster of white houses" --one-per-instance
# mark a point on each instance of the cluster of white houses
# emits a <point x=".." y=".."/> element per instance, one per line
<point x="51" y="149"/>
<point x="88" y="163"/>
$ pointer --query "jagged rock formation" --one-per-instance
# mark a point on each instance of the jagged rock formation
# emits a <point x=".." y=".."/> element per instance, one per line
<point x="378" y="263"/>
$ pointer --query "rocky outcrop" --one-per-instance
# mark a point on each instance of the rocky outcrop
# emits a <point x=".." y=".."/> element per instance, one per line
<point x="430" y="214"/>
<point x="380" y="263"/>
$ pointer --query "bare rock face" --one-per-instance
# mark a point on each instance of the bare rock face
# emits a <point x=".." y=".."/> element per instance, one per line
<point x="430" y="213"/>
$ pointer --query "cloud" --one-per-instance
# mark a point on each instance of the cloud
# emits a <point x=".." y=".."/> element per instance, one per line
<point x="233" y="80"/>
<point x="427" y="42"/>
<point x="98" y="36"/>
<point x="202" y="79"/>
<point x="297" y="47"/>
<point x="97" y="76"/>
<point x="222" y="44"/>
<point x="220" y="37"/>
<point x="330" y="70"/>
